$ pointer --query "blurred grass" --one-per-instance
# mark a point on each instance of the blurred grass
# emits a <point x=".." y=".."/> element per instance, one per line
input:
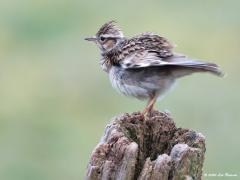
<point x="56" y="101"/>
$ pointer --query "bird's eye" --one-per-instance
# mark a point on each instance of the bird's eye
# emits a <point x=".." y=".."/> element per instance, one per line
<point x="102" y="38"/>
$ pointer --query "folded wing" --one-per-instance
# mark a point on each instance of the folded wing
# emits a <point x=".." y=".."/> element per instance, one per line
<point x="145" y="58"/>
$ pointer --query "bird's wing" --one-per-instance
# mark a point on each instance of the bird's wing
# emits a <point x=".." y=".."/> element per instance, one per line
<point x="145" y="50"/>
<point x="144" y="58"/>
<point x="149" y="59"/>
<point x="148" y="50"/>
<point x="140" y="59"/>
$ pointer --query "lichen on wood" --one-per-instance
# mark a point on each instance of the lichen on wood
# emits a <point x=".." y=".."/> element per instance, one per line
<point x="147" y="148"/>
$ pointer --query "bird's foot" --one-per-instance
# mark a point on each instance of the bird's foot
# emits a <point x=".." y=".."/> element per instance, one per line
<point x="147" y="112"/>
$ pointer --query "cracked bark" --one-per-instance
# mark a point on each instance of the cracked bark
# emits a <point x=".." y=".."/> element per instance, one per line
<point x="147" y="148"/>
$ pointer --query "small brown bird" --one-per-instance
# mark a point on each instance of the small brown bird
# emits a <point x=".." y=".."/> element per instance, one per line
<point x="144" y="66"/>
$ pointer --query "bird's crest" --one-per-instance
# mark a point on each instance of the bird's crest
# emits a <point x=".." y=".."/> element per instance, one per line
<point x="110" y="28"/>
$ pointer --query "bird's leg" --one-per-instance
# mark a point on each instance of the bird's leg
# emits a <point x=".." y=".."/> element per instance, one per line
<point x="146" y="108"/>
<point x="153" y="101"/>
<point x="150" y="105"/>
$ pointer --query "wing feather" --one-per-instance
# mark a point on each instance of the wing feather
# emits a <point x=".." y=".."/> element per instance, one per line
<point x="148" y="50"/>
<point x="150" y="59"/>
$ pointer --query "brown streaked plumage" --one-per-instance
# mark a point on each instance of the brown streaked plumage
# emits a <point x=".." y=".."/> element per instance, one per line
<point x="145" y="65"/>
<point x="110" y="28"/>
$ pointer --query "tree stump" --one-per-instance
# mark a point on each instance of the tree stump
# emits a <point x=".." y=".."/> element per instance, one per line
<point x="147" y="148"/>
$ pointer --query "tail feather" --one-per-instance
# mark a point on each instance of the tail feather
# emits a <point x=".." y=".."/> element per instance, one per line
<point x="208" y="67"/>
<point x="185" y="66"/>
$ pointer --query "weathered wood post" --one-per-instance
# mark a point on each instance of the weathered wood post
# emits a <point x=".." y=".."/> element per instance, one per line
<point x="147" y="148"/>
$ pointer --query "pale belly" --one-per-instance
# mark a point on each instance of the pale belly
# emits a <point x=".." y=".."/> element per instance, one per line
<point x="140" y="84"/>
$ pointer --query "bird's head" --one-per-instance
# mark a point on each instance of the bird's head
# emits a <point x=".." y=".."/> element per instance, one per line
<point x="107" y="37"/>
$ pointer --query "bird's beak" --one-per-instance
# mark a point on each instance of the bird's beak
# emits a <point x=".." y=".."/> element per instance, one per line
<point x="93" y="38"/>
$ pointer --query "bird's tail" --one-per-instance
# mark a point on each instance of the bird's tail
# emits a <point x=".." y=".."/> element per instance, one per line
<point x="183" y="65"/>
<point x="206" y="67"/>
<point x="188" y="66"/>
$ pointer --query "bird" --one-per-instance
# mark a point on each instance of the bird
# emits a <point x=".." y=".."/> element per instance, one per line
<point x="144" y="66"/>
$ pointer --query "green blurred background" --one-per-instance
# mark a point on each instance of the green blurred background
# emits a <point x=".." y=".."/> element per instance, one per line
<point x="55" y="100"/>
